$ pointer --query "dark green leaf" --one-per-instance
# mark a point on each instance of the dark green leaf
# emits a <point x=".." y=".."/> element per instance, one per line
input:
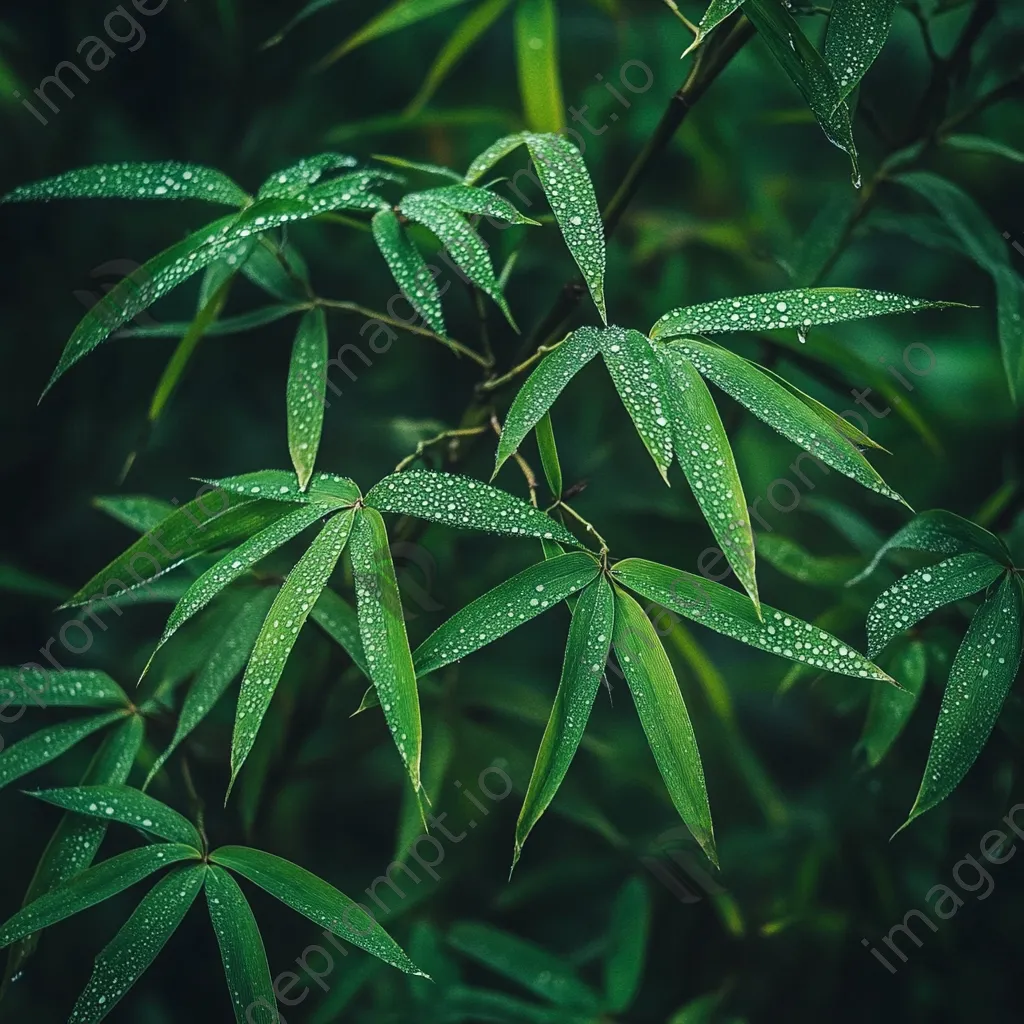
<point x="857" y="31"/>
<point x="890" y="709"/>
<point x="338" y="619"/>
<point x="296" y="180"/>
<point x="72" y="688"/>
<point x="307" y="393"/>
<point x="624" y="961"/>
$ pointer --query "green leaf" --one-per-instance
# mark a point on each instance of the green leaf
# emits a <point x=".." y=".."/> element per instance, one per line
<point x="703" y="449"/>
<point x="987" y="147"/>
<point x="919" y="593"/>
<point x="240" y="324"/>
<point x="228" y="658"/>
<point x="241" y="950"/>
<point x="317" y="900"/>
<point x="549" y="455"/>
<point x="279" y="270"/>
<point x="782" y="411"/>
<point x="543" y="387"/>
<point x="729" y="612"/>
<point x="663" y="714"/>
<point x="280" y="630"/>
<point x="491" y="155"/>
<point x="857" y="31"/>
<point x="890" y="709"/>
<point x="166" y="180"/>
<point x="536" y="26"/>
<point x="465" y="1005"/>
<point x="125" y="804"/>
<point x="464" y="503"/>
<point x="339" y="620"/>
<point x="624" y="961"/>
<point x="297" y="179"/>
<point x="385" y="642"/>
<point x="460" y="240"/>
<point x="981" y="676"/>
<point x="408" y="268"/>
<point x="437" y="170"/>
<point x="98" y="883"/>
<point x="73" y="688"/>
<point x="796" y="308"/>
<point x="586" y="654"/>
<point x="796" y="562"/>
<point x="534" y="968"/>
<point x="307" y="393"/>
<point x="717" y="12"/>
<point x="467" y="199"/>
<point x="46" y="745"/>
<point x="282" y="485"/>
<point x="808" y="72"/>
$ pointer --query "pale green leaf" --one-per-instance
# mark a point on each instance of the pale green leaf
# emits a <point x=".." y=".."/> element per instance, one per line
<point x="408" y="268"/>
<point x="549" y="455"/>
<point x="72" y="688"/>
<point x="468" y="199"/>
<point x="536" y="34"/>
<point x="857" y="31"/>
<point x="890" y="709"/>
<point x="307" y="393"/>
<point x="624" y="961"/>
<point x="297" y="179"/>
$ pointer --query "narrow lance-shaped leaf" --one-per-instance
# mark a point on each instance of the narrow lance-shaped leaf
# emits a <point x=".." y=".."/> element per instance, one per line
<point x="543" y="387"/>
<point x="717" y="12"/>
<point x="282" y="485"/>
<point x="586" y="654"/>
<point x="729" y="612"/>
<point x="491" y="155"/>
<point x="890" y="709"/>
<point x="982" y="673"/>
<point x="795" y="561"/>
<point x="280" y="630"/>
<point x="982" y="144"/>
<point x="703" y="449"/>
<point x="307" y="393"/>
<point x="659" y="703"/>
<point x="241" y="950"/>
<point x="124" y="960"/>
<point x="857" y="31"/>
<point x="540" y="87"/>
<point x="624" y="961"/>
<point x="74" y="688"/>
<point x="166" y="180"/>
<point x="408" y="268"/>
<point x="422" y="166"/>
<point x="296" y="179"/>
<point x="549" y="455"/>
<point x="339" y="620"/>
<point x="466" y="503"/>
<point x="317" y="900"/>
<point x="44" y="746"/>
<point x="919" y="593"/>
<point x="126" y="805"/>
<point x="467" y="199"/>
<point x="98" y="883"/>
<point x="240" y="324"/>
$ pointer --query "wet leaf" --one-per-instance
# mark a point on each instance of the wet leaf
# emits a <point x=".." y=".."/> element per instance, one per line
<point x="467" y="199"/>
<point x="408" y="268"/>
<point x="72" y="688"/>
<point x="307" y="393"/>
<point x="297" y="179"/>
<point x="890" y="709"/>
<point x="536" y="34"/>
<point x="282" y="485"/>
<point x="857" y="31"/>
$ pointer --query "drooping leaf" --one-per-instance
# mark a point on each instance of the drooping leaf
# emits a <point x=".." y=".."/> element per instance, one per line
<point x="124" y="960"/>
<point x="729" y="612"/>
<point x="71" y="688"/>
<point x="315" y="899"/>
<point x="241" y="950"/>
<point x="857" y="31"/>
<point x="543" y="387"/>
<point x="307" y="393"/>
<point x="890" y="709"/>
<point x="166" y="180"/>
<point x="663" y="714"/>
<point x="624" y="961"/>
<point x="295" y="180"/>
<point x="919" y="593"/>
<point x="339" y="620"/>
<point x="385" y="641"/>
<point x="549" y="455"/>
<point x="280" y="630"/>
<point x="586" y="654"/>
<point x="44" y="746"/>
<point x="981" y="676"/>
<point x="98" y="883"/>
<point x="125" y="804"/>
<point x="408" y="268"/>
<point x="465" y="503"/>
<point x="467" y="199"/>
<point x="536" y="33"/>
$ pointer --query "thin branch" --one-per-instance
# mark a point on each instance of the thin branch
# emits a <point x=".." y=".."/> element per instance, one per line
<point x="527" y="470"/>
<point x="445" y="435"/>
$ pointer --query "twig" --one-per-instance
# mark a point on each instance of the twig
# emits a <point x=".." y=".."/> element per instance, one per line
<point x="497" y="382"/>
<point x="445" y="435"/>
<point x="587" y="525"/>
<point x="527" y="470"/>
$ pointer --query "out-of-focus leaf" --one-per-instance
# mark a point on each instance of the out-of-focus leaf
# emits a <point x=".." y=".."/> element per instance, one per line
<point x="338" y="619"/>
<point x="540" y="84"/>
<point x="627" y="951"/>
<point x="890" y="709"/>
<point x="857" y="31"/>
<point x="307" y="393"/>
<point x="981" y="144"/>
<point x="796" y="562"/>
<point x="240" y="324"/>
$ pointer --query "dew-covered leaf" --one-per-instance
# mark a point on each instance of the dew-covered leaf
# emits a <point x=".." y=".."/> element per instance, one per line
<point x="782" y="411"/>
<point x="166" y="180"/>
<point x="890" y="709"/>
<point x="315" y="899"/>
<point x="98" y="883"/>
<point x="408" y="268"/>
<point x="73" y="688"/>
<point x="540" y="86"/>
<point x="919" y="593"/>
<point x="491" y="155"/>
<point x="286" y="617"/>
<point x="797" y="308"/>
<point x="127" y="805"/>
<point x="241" y="950"/>
<point x="729" y="612"/>
<point x="465" y="503"/>
<point x="467" y="199"/>
<point x="857" y="31"/>
<point x="627" y="950"/>
<point x="703" y="449"/>
<point x="296" y="179"/>
<point x="282" y="485"/>
<point x="533" y="967"/>
<point x="48" y="744"/>
<point x="982" y="673"/>
<point x="385" y="641"/>
<point x="586" y="654"/>
<point x="659" y="704"/>
<point x="307" y="393"/>
<point x="123" y="960"/>
<point x="716" y="13"/>
<point x="339" y="620"/>
<point x="543" y="387"/>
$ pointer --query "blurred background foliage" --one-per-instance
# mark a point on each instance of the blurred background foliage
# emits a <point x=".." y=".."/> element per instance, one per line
<point x="744" y="198"/>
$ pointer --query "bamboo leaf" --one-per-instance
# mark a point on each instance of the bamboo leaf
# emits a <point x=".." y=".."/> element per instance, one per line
<point x="465" y="503"/>
<point x="280" y="630"/>
<point x="297" y="179"/>
<point x="857" y="31"/>
<point x="423" y="167"/>
<point x="73" y="688"/>
<point x="317" y="900"/>
<point x="981" y="676"/>
<point x="408" y="268"/>
<point x="919" y="593"/>
<point x="467" y="199"/>
<point x="717" y="12"/>
<point x="795" y="561"/>
<point x="124" y="960"/>
<point x="549" y="455"/>
<point x="890" y="709"/>
<point x="664" y="717"/>
<point x="241" y="950"/>
<point x="496" y="151"/>
<point x="586" y="654"/>
<point x="92" y="886"/>
<point x="536" y="28"/>
<point x="729" y="612"/>
<point x="307" y="393"/>
<point x="282" y="485"/>
<point x="240" y="324"/>
<point x="981" y="144"/>
<point x="624" y="961"/>
<point x="339" y="620"/>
